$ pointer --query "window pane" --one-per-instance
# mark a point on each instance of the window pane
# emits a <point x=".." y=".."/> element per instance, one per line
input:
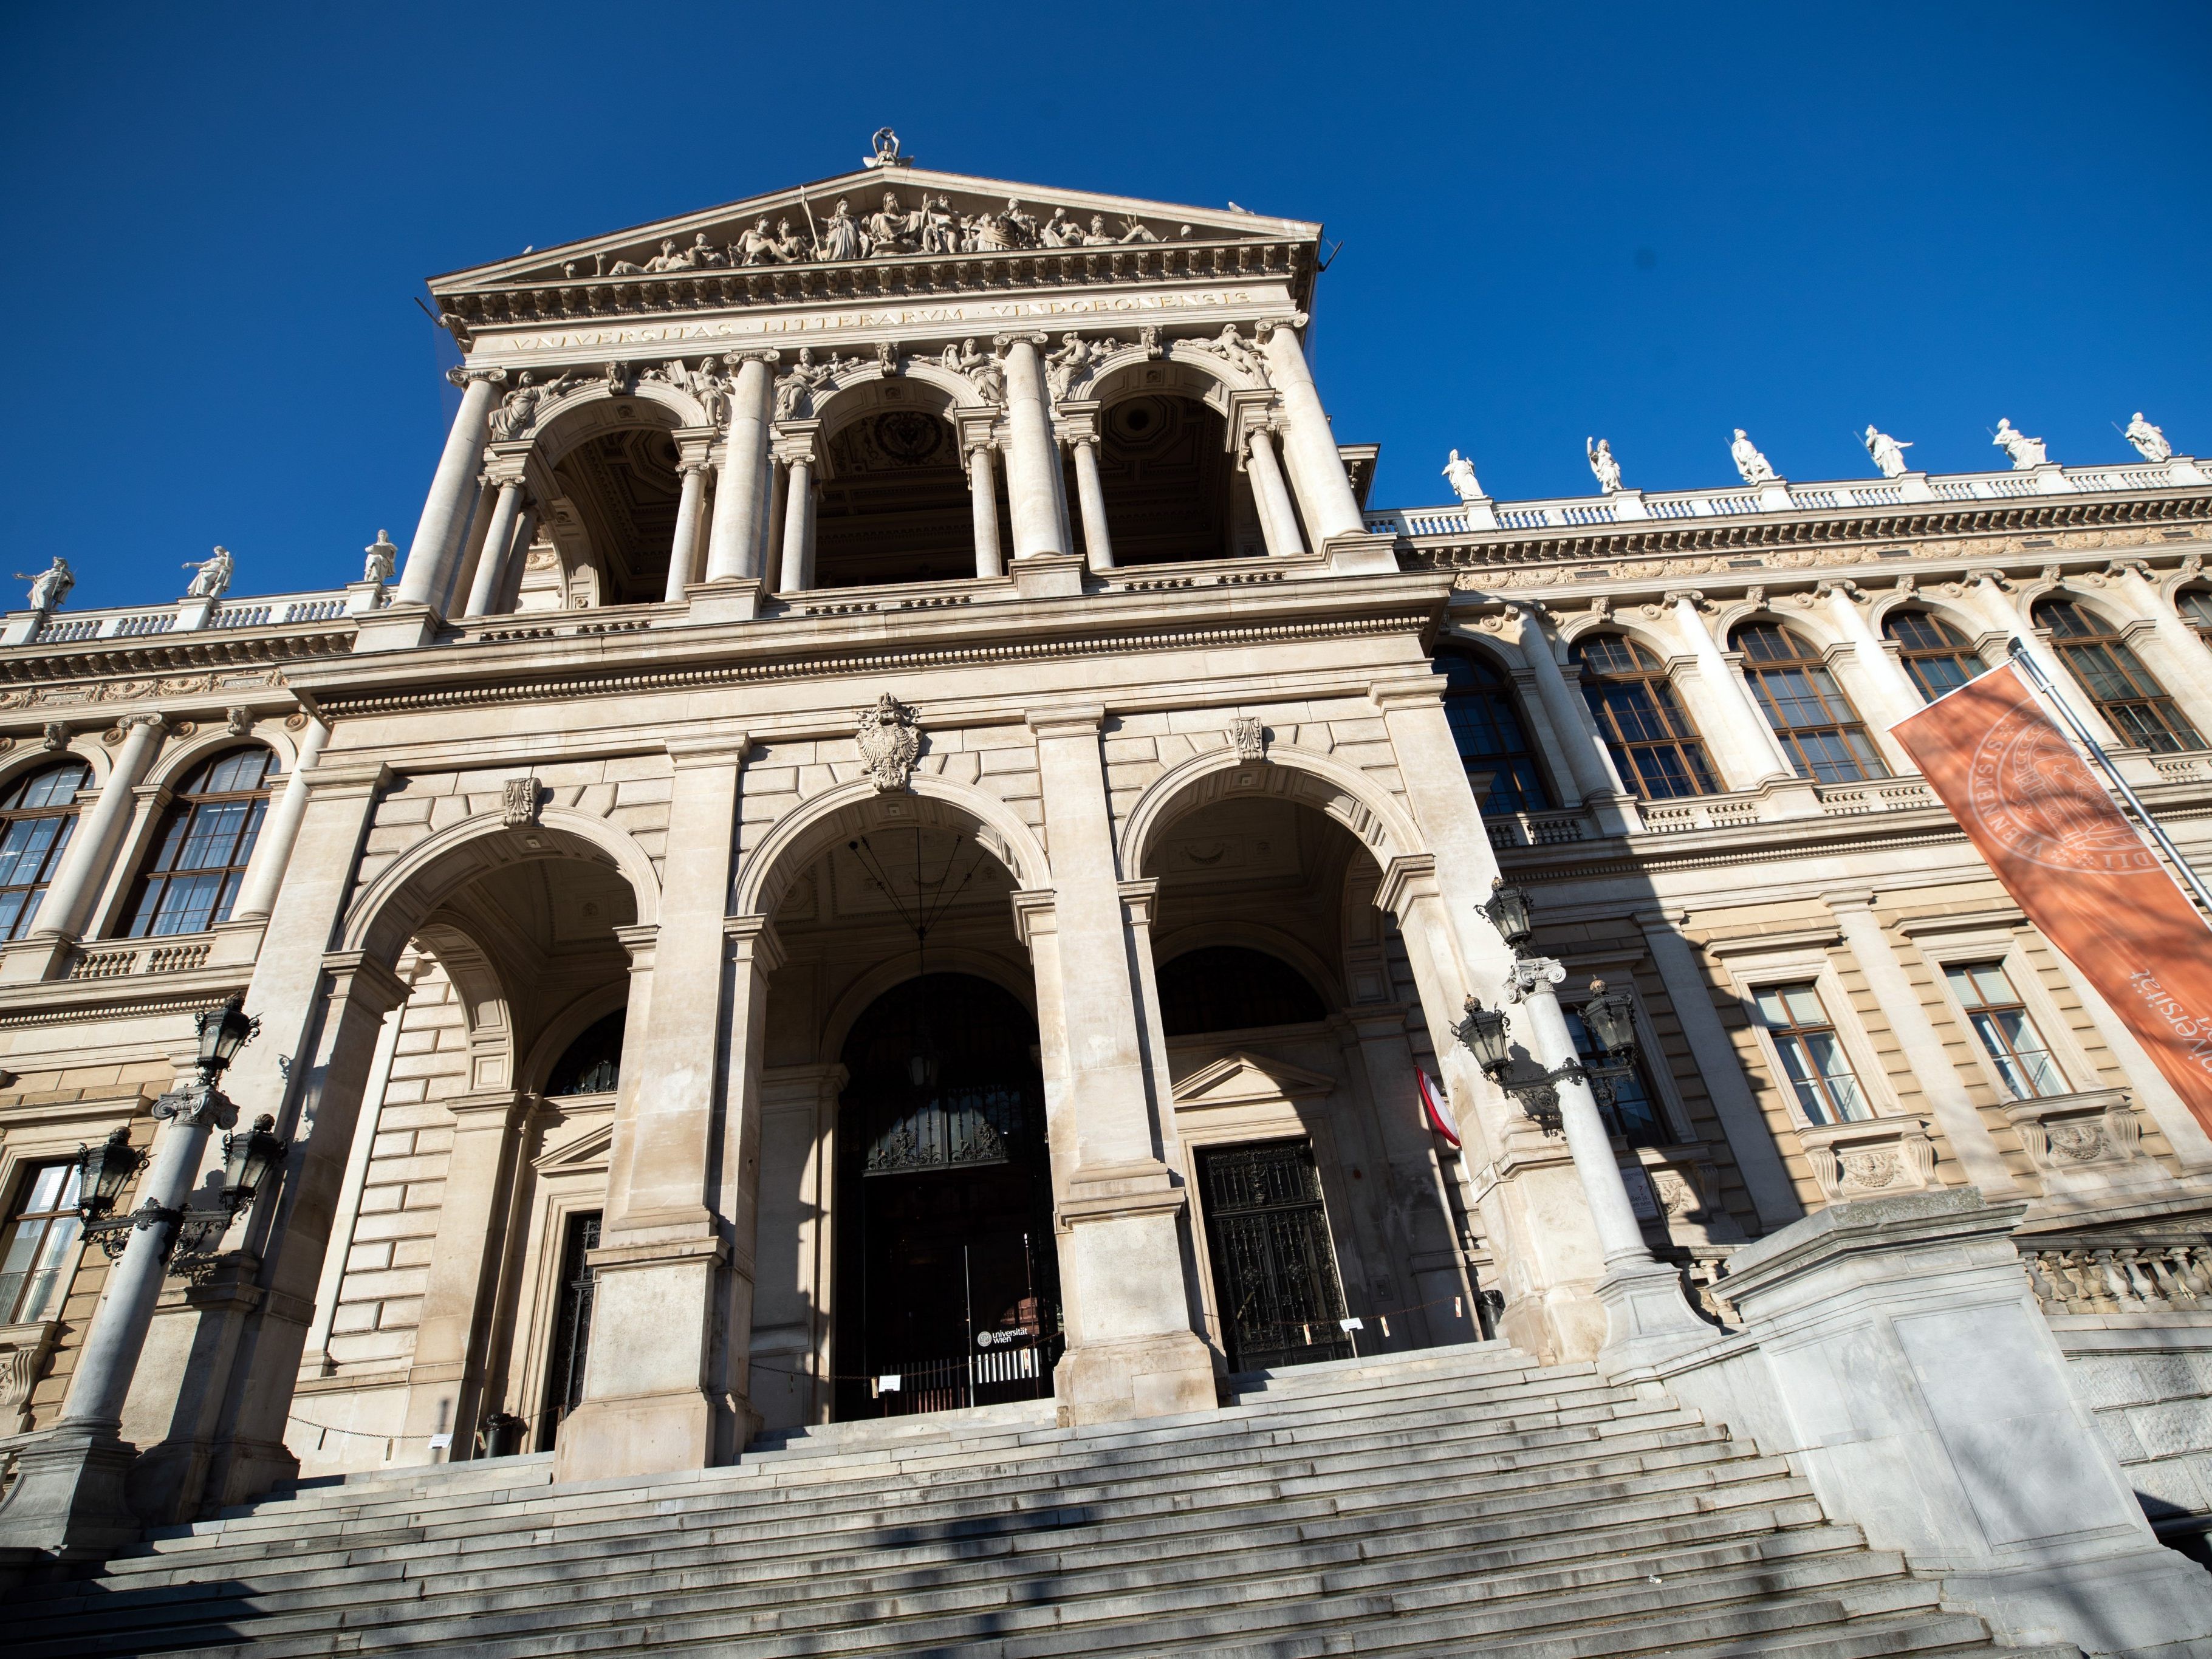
<point x="1813" y="1056"/>
<point x="1633" y="1116"/>
<point x="1486" y="725"/>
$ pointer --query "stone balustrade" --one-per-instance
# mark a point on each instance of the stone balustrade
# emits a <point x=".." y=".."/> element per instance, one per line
<point x="2105" y="1273"/>
<point x="280" y="610"/>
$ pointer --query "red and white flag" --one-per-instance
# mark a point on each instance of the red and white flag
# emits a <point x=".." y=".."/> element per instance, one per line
<point x="1435" y="1107"/>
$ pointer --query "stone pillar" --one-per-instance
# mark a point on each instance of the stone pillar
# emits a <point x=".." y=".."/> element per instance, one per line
<point x="445" y="1376"/>
<point x="445" y="512"/>
<point x="797" y="574"/>
<point x="648" y="1407"/>
<point x="1417" y="1213"/>
<point x="683" y="546"/>
<point x="491" y="563"/>
<point x="1743" y="745"/>
<point x="2179" y="656"/>
<point x="272" y="850"/>
<point x="1646" y="1313"/>
<point x="1988" y="591"/>
<point x="983" y="498"/>
<point x="1971" y="1143"/>
<point x="518" y="557"/>
<point x="1592" y="776"/>
<point x="1033" y="489"/>
<point x="1893" y="1349"/>
<point x="1278" y="519"/>
<point x="1308" y="446"/>
<point x="1750" y="1140"/>
<point x="1133" y="1350"/>
<point x="1097" y="541"/>
<point x="68" y="1495"/>
<point x="741" y="493"/>
<point x="772" y="520"/>
<point x="84" y="863"/>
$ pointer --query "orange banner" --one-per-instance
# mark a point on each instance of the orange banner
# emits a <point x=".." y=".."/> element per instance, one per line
<point x="2076" y="865"/>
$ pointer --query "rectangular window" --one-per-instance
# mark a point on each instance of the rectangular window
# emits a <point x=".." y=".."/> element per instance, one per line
<point x="1812" y="1055"/>
<point x="2000" y="1020"/>
<point x="1634" y="1115"/>
<point x="40" y="1246"/>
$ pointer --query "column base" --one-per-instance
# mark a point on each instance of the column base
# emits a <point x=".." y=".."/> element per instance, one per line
<point x="1048" y="576"/>
<point x="67" y="1502"/>
<point x="1362" y="553"/>
<point x="1161" y="1375"/>
<point x="395" y="627"/>
<point x="1646" y="1317"/>
<point x="42" y="957"/>
<point x="642" y="1434"/>
<point x="241" y="1471"/>
<point x="732" y="599"/>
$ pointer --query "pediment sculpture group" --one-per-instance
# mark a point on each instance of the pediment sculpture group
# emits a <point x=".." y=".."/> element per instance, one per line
<point x="932" y="225"/>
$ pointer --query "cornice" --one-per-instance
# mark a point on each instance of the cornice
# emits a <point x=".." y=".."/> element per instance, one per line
<point x="171" y="654"/>
<point x="1663" y="538"/>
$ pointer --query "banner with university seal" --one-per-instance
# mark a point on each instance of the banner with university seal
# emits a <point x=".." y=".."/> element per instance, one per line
<point x="2076" y="865"/>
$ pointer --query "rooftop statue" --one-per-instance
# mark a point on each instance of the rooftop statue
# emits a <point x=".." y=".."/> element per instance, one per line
<point x="1602" y="464"/>
<point x="757" y="247"/>
<point x="51" y="585"/>
<point x="2026" y="452"/>
<point x="883" y="151"/>
<point x="212" y="577"/>
<point x="2149" y="441"/>
<point x="891" y="228"/>
<point x="1888" y="453"/>
<point x="1750" y="465"/>
<point x="382" y="556"/>
<point x="1459" y="472"/>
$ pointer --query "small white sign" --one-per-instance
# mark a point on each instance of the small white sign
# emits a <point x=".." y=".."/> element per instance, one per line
<point x="888" y="1384"/>
<point x="1350" y="1324"/>
<point x="441" y="1442"/>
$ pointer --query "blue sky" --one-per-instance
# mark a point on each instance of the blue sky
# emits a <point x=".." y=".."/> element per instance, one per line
<point x="1651" y="222"/>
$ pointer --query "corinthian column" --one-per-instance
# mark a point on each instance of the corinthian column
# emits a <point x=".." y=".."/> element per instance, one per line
<point x="741" y="493"/>
<point x="1278" y="522"/>
<point x="491" y="563"/>
<point x="445" y="513"/>
<point x="1033" y="490"/>
<point x="1317" y="469"/>
<point x="84" y="864"/>
<point x="272" y="851"/>
<point x="983" y="499"/>
<point x="1097" y="543"/>
<point x="684" y="546"/>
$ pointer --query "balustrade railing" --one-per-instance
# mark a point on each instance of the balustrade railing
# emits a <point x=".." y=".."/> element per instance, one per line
<point x="1538" y="829"/>
<point x="1666" y="817"/>
<point x="1888" y="795"/>
<point x="133" y="623"/>
<point x="2101" y="1275"/>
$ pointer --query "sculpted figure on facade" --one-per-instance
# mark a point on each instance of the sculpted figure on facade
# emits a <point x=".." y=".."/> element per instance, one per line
<point x="891" y="228"/>
<point x="983" y="371"/>
<point x="1459" y="472"/>
<point x="51" y="585"/>
<point x="795" y="388"/>
<point x="840" y="236"/>
<point x="1071" y="363"/>
<point x="1009" y="228"/>
<point x="521" y="407"/>
<point x="941" y="227"/>
<point x="889" y="741"/>
<point x="1888" y="452"/>
<point x="757" y="247"/>
<point x="2149" y="441"/>
<point x="2026" y="452"/>
<point x="212" y="575"/>
<point x="1230" y="347"/>
<point x="381" y="556"/>
<point x="712" y="391"/>
<point x="1751" y="465"/>
<point x="1602" y="464"/>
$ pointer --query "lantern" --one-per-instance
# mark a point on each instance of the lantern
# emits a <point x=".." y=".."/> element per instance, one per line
<point x="1508" y="911"/>
<point x="105" y="1172"/>
<point x="248" y="1161"/>
<point x="1611" y="1017"/>
<point x="1483" y="1034"/>
<point x="223" y="1031"/>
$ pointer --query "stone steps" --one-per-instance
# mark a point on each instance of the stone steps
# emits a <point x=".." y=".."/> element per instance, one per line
<point x="1459" y="1500"/>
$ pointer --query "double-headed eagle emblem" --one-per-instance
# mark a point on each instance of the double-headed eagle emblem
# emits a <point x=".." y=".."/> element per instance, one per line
<point x="890" y="742"/>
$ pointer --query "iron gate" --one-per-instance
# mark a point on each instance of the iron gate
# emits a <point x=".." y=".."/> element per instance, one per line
<point x="1274" y="1269"/>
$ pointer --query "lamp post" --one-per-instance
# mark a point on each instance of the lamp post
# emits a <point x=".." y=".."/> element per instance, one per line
<point x="1645" y="1313"/>
<point x="68" y="1499"/>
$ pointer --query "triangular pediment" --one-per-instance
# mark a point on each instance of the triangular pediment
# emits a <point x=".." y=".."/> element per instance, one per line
<point x="590" y="1149"/>
<point x="1242" y="1076"/>
<point x="981" y="223"/>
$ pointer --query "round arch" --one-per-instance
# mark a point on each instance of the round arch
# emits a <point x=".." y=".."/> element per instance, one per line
<point x="1375" y="817"/>
<point x="85" y="748"/>
<point x="486" y="1009"/>
<point x="554" y="431"/>
<point x="178" y="762"/>
<point x="884" y="977"/>
<point x="1808" y="625"/>
<point x="796" y="839"/>
<point x="862" y="395"/>
<point x="563" y="1029"/>
<point x="413" y="885"/>
<point x="1888" y="604"/>
<point x="2100" y="605"/>
<point x="1133" y="372"/>
<point x="1576" y="630"/>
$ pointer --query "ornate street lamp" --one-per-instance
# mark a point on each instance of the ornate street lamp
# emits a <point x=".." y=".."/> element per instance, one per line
<point x="1508" y="911"/>
<point x="186" y="1234"/>
<point x="1482" y="1033"/>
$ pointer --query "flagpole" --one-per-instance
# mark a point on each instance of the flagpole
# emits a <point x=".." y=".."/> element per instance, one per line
<point x="2027" y="665"/>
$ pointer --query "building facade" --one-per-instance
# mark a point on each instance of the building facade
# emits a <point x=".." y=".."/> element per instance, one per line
<point x="902" y="835"/>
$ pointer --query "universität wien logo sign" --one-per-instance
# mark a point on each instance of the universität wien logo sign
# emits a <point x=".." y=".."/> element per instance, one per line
<point x="2038" y="802"/>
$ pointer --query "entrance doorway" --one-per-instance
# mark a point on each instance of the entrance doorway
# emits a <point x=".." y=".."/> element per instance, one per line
<point x="572" y="1326"/>
<point x="946" y="1278"/>
<point x="1275" y="1268"/>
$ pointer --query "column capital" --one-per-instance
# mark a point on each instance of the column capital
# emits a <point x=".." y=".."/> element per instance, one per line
<point x="1849" y="898"/>
<point x="1413" y="692"/>
<point x="158" y="722"/>
<point x="1532" y="977"/>
<point x="708" y="749"/>
<point x="466" y="376"/>
<point x="491" y="1109"/>
<point x="330" y="779"/>
<point x="638" y="938"/>
<point x="358" y="977"/>
<point x="1407" y="876"/>
<point x="1007" y="342"/>
<point x="753" y="940"/>
<point x="1690" y="596"/>
<point x="1138" y="899"/>
<point x="1035" y="913"/>
<point x="739" y="358"/>
<point x="1266" y="326"/>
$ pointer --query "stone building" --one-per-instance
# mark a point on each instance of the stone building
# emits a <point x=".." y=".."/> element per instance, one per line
<point x="903" y="838"/>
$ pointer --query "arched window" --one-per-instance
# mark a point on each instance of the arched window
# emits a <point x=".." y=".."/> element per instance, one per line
<point x="1820" y="731"/>
<point x="1486" y="723"/>
<point x="1655" y="748"/>
<point x="2116" y="679"/>
<point x="1938" y="656"/>
<point x="36" y="815"/>
<point x="2195" y="607"/>
<point x="206" y="838"/>
<point x="591" y="1065"/>
<point x="1226" y="988"/>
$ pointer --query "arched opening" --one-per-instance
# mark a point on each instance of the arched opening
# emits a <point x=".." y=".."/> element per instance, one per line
<point x="1492" y="737"/>
<point x="1820" y="731"/>
<point x="947" y="1279"/>
<point x="37" y="813"/>
<point x="2195" y="604"/>
<point x="894" y="504"/>
<point x="1228" y="988"/>
<point x="1654" y="746"/>
<point x="2125" y="692"/>
<point x="611" y="488"/>
<point x="1939" y="658"/>
<point x="1171" y="487"/>
<point x="205" y="841"/>
<point x="591" y="1065"/>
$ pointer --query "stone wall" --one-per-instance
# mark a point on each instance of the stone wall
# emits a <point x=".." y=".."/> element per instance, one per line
<point x="2148" y="1377"/>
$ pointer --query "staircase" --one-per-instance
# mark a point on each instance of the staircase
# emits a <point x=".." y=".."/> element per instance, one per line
<point x="1457" y="1501"/>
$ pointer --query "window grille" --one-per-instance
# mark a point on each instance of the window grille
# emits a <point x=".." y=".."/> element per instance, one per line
<point x="1654" y="746"/>
<point x="1820" y="731"/>
<point x="2124" y="691"/>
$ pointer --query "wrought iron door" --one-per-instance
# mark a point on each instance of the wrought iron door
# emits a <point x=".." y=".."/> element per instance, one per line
<point x="1274" y="1269"/>
<point x="572" y="1326"/>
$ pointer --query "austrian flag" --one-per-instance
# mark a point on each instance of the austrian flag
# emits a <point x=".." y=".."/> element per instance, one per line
<point x="1435" y="1107"/>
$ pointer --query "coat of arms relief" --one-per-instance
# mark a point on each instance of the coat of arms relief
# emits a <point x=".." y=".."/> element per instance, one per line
<point x="890" y="742"/>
